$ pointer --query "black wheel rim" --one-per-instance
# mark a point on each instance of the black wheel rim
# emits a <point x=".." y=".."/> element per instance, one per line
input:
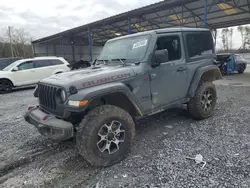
<point x="5" y="86"/>
<point x="207" y="100"/>
<point x="110" y="136"/>
<point x="224" y="70"/>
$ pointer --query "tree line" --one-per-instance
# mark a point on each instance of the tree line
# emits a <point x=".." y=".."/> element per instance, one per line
<point x="15" y="42"/>
<point x="227" y="39"/>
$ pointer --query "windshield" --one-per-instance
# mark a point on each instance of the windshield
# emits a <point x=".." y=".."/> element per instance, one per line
<point x="12" y="65"/>
<point x="132" y="48"/>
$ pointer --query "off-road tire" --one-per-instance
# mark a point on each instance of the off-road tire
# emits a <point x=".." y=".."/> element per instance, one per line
<point x="8" y="86"/>
<point x="87" y="135"/>
<point x="195" y="103"/>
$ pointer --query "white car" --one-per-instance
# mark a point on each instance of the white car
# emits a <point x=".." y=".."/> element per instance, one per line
<point x="30" y="71"/>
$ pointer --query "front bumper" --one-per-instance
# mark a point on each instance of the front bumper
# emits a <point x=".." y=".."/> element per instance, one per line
<point x="48" y="125"/>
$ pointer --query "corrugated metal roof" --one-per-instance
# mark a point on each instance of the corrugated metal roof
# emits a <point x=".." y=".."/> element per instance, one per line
<point x="165" y="14"/>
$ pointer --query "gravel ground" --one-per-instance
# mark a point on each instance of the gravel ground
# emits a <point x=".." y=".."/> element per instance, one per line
<point x="158" y="158"/>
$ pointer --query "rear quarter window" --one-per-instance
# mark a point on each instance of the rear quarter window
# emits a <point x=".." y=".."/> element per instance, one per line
<point x="56" y="62"/>
<point x="199" y="44"/>
<point x="42" y="63"/>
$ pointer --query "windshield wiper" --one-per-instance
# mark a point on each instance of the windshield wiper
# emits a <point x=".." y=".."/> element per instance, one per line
<point x="121" y="60"/>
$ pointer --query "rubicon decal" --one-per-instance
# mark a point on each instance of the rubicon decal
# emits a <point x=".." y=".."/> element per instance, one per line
<point x="107" y="79"/>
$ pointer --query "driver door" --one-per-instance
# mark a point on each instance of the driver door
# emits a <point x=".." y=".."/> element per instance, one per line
<point x="25" y="75"/>
<point x="169" y="80"/>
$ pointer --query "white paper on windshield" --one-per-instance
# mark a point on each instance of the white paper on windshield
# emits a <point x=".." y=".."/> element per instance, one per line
<point x="140" y="44"/>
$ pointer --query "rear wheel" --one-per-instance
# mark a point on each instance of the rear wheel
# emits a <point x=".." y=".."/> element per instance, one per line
<point x="105" y="135"/>
<point x="5" y="86"/>
<point x="241" y="69"/>
<point x="202" y="105"/>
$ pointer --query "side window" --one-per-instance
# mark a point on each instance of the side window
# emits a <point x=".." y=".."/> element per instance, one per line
<point x="42" y="63"/>
<point x="56" y="62"/>
<point x="172" y="44"/>
<point x="238" y="57"/>
<point x="199" y="44"/>
<point x="26" y="65"/>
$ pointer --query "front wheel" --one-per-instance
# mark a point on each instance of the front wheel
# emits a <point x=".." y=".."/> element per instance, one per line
<point x="105" y="135"/>
<point x="202" y="105"/>
<point x="5" y="86"/>
<point x="223" y="70"/>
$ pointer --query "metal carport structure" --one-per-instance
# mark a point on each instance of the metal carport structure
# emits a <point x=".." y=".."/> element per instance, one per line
<point x="213" y="14"/>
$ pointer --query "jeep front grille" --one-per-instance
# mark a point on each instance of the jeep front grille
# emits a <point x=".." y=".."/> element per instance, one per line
<point x="47" y="97"/>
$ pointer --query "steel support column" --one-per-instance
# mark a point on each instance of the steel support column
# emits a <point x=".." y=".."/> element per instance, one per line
<point x="205" y="14"/>
<point x="34" y="50"/>
<point x="47" y="50"/>
<point x="90" y="45"/>
<point x="129" y="26"/>
<point x="55" y="49"/>
<point x="248" y="4"/>
<point x="62" y="47"/>
<point x="73" y="50"/>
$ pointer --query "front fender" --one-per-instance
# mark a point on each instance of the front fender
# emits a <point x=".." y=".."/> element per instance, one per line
<point x="101" y="90"/>
<point x="213" y="73"/>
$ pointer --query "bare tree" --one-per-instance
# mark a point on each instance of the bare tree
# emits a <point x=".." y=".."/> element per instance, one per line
<point x="19" y="39"/>
<point x="245" y="35"/>
<point x="225" y="39"/>
<point x="241" y="30"/>
<point x="231" y="38"/>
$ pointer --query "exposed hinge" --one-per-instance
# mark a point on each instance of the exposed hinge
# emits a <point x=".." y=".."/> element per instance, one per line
<point x="154" y="97"/>
<point x="153" y="76"/>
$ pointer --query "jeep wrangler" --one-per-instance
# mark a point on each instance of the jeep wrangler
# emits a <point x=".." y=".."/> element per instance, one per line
<point x="135" y="76"/>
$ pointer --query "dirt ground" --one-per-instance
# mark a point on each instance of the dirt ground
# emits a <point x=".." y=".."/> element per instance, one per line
<point x="159" y="157"/>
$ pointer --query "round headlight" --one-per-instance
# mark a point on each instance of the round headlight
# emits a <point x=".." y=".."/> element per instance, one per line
<point x="63" y="95"/>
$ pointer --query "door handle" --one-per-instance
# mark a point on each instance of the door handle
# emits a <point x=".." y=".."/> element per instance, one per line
<point x="180" y="69"/>
<point x="32" y="71"/>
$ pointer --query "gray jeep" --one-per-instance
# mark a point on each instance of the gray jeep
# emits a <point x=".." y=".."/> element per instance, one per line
<point x="135" y="76"/>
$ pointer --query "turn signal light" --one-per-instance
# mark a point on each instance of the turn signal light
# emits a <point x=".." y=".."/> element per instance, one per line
<point x="78" y="103"/>
<point x="45" y="117"/>
<point x="30" y="107"/>
<point x="83" y="103"/>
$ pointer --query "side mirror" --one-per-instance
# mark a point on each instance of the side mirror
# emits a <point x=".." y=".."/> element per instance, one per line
<point x="15" y="69"/>
<point x="160" y="56"/>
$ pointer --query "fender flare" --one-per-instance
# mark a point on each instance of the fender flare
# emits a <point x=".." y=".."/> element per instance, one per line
<point x="215" y="75"/>
<point x="105" y="89"/>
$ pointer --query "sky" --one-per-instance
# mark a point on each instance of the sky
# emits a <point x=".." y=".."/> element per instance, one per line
<point x="45" y="17"/>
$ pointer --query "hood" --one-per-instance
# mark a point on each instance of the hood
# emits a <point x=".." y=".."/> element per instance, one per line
<point x="3" y="72"/>
<point x="241" y="61"/>
<point x="90" y="77"/>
